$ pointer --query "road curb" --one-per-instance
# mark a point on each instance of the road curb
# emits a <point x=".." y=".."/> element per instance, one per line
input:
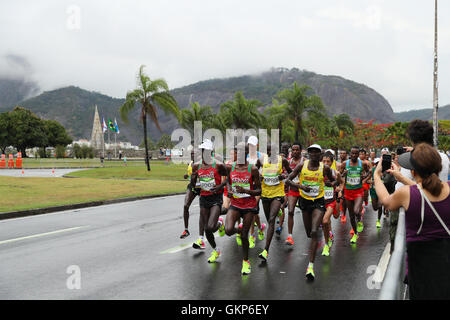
<point x="32" y="212"/>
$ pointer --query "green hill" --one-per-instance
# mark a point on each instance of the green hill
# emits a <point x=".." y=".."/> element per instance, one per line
<point x="423" y="114"/>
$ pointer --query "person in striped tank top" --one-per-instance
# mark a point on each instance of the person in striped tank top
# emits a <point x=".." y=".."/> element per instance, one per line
<point x="243" y="185"/>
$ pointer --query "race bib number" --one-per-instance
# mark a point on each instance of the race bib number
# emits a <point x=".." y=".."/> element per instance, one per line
<point x="353" y="181"/>
<point x="314" y="190"/>
<point x="271" y="180"/>
<point x="329" y="193"/>
<point x="207" y="183"/>
<point x="296" y="180"/>
<point x="241" y="195"/>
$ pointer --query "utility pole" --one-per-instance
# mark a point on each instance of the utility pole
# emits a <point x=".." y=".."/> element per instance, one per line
<point x="435" y="80"/>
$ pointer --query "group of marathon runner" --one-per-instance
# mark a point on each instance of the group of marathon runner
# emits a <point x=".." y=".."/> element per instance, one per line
<point x="318" y="183"/>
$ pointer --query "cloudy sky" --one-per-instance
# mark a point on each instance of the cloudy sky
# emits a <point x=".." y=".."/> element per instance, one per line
<point x="99" y="45"/>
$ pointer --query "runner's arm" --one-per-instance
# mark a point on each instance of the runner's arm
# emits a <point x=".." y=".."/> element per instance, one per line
<point x="223" y="172"/>
<point x="194" y="174"/>
<point x="256" y="184"/>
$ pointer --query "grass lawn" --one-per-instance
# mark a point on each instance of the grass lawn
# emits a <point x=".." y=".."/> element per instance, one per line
<point x="159" y="171"/>
<point x="33" y="193"/>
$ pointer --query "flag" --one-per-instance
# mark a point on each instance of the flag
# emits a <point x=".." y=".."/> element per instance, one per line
<point x="104" y="127"/>
<point x="116" y="126"/>
<point x="111" y="125"/>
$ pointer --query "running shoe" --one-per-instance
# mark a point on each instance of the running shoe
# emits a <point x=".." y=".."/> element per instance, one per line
<point x="354" y="238"/>
<point x="264" y="255"/>
<point x="185" y="234"/>
<point x="378" y="224"/>
<point x="310" y="273"/>
<point x="238" y="239"/>
<point x="199" y="244"/>
<point x="352" y="232"/>
<point x="246" y="268"/>
<point x="278" y="230"/>
<point x="214" y="256"/>
<point x="360" y="227"/>
<point x="326" y="250"/>
<point x="222" y="227"/>
<point x="343" y="218"/>
<point x="261" y="232"/>
<point x="251" y="242"/>
<point x="289" y="241"/>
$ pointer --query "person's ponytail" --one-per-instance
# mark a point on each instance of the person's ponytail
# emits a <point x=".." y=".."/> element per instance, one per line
<point x="432" y="184"/>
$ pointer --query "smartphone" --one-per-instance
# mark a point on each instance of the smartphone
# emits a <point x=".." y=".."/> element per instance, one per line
<point x="386" y="162"/>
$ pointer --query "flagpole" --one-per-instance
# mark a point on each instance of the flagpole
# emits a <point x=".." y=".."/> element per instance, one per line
<point x="115" y="144"/>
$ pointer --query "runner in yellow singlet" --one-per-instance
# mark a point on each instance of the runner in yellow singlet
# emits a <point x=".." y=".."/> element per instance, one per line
<point x="312" y="203"/>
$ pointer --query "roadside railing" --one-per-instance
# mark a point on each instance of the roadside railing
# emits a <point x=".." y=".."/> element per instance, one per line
<point x="393" y="287"/>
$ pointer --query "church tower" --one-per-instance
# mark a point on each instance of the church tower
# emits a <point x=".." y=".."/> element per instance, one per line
<point x="97" y="139"/>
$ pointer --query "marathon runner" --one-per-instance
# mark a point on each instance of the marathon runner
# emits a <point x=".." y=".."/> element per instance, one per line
<point x="243" y="184"/>
<point x="281" y="214"/>
<point x="343" y="157"/>
<point x="373" y="194"/>
<point x="366" y="186"/>
<point x="293" y="194"/>
<point x="211" y="199"/>
<point x="330" y="202"/>
<point x="272" y="194"/>
<point x="311" y="175"/>
<point x="226" y="200"/>
<point x="253" y="156"/>
<point x="191" y="192"/>
<point x="355" y="171"/>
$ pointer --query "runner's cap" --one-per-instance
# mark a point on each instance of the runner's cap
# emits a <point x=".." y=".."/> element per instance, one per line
<point x="331" y="151"/>
<point x="253" y="140"/>
<point x="315" y="146"/>
<point x="207" y="145"/>
<point x="385" y="150"/>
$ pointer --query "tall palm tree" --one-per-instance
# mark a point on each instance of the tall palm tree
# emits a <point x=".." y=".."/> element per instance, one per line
<point x="149" y="94"/>
<point x="196" y="113"/>
<point x="241" y="113"/>
<point x="300" y="104"/>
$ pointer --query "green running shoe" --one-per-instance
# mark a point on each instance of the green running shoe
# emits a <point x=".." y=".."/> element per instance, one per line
<point x="264" y="255"/>
<point x="261" y="232"/>
<point x="354" y="238"/>
<point x="222" y="227"/>
<point x="378" y="224"/>
<point x="199" y="244"/>
<point x="251" y="241"/>
<point x="238" y="239"/>
<point x="214" y="256"/>
<point x="246" y="268"/>
<point x="326" y="250"/>
<point x="360" y="227"/>
<point x="310" y="273"/>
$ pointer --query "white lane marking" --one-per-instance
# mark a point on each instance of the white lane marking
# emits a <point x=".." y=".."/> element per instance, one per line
<point x="181" y="247"/>
<point x="41" y="234"/>
<point x="382" y="265"/>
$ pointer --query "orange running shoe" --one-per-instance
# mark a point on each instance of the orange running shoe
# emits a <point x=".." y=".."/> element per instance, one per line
<point x="289" y="241"/>
<point x="352" y="232"/>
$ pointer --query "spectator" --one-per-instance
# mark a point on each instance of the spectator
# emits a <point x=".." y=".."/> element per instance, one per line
<point x="427" y="218"/>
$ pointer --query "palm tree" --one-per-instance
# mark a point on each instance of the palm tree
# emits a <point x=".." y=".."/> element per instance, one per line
<point x="241" y="113"/>
<point x="344" y="123"/>
<point x="298" y="104"/>
<point x="196" y="113"/>
<point x="150" y="94"/>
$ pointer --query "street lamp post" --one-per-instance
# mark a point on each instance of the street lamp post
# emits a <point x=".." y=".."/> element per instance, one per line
<point x="435" y="81"/>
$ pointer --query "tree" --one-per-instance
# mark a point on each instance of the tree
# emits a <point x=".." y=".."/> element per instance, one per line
<point x="56" y="134"/>
<point x="26" y="130"/>
<point x="165" y="142"/>
<point x="298" y="104"/>
<point x="196" y="113"/>
<point x="150" y="94"/>
<point x="241" y="113"/>
<point x="5" y="136"/>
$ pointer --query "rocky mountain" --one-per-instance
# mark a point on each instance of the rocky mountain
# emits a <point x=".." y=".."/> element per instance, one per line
<point x="74" y="107"/>
<point x="423" y="114"/>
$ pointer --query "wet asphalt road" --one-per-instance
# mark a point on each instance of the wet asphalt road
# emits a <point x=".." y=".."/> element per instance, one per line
<point x="133" y="251"/>
<point x="37" y="173"/>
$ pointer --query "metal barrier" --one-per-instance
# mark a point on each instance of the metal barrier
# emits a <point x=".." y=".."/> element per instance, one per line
<point x="393" y="287"/>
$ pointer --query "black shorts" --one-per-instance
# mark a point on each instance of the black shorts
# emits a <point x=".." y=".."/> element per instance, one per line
<point x="281" y="199"/>
<point x="211" y="200"/>
<point x="244" y="211"/>
<point x="310" y="205"/>
<point x="195" y="190"/>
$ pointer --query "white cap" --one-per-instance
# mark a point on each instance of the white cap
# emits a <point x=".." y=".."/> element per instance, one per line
<point x="385" y="150"/>
<point x="207" y="145"/>
<point x="330" y="150"/>
<point x="315" y="146"/>
<point x="253" y="140"/>
<point x="376" y="160"/>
